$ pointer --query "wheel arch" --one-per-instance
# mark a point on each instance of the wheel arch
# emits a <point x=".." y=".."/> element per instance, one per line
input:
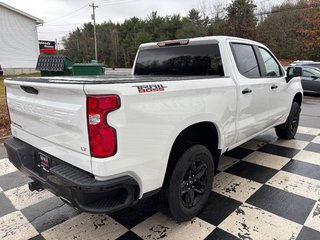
<point x="205" y="133"/>
<point x="298" y="98"/>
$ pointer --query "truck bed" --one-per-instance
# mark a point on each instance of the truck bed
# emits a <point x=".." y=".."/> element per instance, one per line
<point x="109" y="78"/>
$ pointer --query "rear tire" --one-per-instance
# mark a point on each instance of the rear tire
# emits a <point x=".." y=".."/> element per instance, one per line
<point x="289" y="129"/>
<point x="190" y="184"/>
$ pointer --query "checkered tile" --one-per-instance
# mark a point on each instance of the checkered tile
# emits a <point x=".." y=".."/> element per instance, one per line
<point x="265" y="189"/>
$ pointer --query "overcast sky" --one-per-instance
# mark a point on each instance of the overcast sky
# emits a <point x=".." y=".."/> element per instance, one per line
<point x="63" y="16"/>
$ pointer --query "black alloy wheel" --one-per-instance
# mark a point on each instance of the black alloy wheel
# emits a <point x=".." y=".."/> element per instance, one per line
<point x="194" y="183"/>
<point x="295" y="121"/>
<point x="289" y="129"/>
<point x="189" y="185"/>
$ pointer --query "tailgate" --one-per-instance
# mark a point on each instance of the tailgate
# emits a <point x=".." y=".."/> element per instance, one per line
<point x="52" y="118"/>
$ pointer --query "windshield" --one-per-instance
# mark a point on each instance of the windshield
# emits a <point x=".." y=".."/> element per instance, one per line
<point x="196" y="60"/>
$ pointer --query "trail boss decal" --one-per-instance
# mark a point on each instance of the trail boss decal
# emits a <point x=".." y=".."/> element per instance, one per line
<point x="150" y="88"/>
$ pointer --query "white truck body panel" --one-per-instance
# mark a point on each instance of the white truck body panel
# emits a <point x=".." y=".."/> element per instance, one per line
<point x="147" y="124"/>
<point x="155" y="120"/>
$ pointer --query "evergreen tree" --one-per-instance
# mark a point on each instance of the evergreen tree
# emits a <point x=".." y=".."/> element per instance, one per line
<point x="241" y="21"/>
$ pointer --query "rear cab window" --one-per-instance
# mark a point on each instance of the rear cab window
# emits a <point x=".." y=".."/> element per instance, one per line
<point x="183" y="60"/>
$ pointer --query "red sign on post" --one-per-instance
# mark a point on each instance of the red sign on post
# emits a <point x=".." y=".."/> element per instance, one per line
<point x="47" y="46"/>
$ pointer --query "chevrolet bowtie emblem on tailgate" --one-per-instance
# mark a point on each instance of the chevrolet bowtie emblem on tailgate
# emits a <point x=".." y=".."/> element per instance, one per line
<point x="150" y="88"/>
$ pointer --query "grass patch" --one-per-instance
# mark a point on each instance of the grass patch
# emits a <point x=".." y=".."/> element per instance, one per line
<point x="4" y="118"/>
<point x="2" y="88"/>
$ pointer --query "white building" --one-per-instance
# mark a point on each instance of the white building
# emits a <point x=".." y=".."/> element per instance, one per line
<point x="19" y="48"/>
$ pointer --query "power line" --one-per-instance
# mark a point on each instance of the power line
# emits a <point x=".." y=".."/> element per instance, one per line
<point x="287" y="9"/>
<point x="262" y="1"/>
<point x="66" y="15"/>
<point x="54" y="31"/>
<point x="61" y="25"/>
<point x="72" y="13"/>
<point x="316" y="5"/>
<point x="108" y="3"/>
<point x="112" y="1"/>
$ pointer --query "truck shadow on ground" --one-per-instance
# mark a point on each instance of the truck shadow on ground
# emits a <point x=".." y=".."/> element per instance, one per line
<point x="311" y="94"/>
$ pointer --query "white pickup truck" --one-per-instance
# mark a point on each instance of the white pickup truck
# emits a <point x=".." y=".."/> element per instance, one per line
<point x="102" y="143"/>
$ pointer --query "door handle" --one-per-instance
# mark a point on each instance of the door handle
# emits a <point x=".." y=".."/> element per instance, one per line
<point x="246" y="90"/>
<point x="30" y="90"/>
<point x="274" y="86"/>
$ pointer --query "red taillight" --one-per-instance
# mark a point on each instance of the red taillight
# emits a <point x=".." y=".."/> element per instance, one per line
<point x="102" y="137"/>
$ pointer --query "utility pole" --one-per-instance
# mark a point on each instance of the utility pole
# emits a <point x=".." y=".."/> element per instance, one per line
<point x="93" y="17"/>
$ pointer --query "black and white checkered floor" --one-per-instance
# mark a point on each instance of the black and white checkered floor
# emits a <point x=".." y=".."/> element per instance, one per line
<point x="265" y="189"/>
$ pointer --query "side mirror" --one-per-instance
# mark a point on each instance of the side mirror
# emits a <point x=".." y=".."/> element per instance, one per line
<point x="293" y="72"/>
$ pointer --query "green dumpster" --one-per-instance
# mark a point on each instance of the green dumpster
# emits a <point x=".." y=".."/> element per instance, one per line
<point x="84" y="69"/>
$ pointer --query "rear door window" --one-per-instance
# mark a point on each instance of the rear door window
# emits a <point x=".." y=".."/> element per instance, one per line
<point x="196" y="60"/>
<point x="246" y="60"/>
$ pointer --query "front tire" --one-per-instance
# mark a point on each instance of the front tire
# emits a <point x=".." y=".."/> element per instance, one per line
<point x="289" y="129"/>
<point x="190" y="184"/>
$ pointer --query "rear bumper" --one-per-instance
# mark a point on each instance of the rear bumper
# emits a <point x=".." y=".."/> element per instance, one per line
<point x="77" y="187"/>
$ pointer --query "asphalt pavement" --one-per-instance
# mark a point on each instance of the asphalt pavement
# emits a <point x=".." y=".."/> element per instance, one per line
<point x="3" y="153"/>
<point x="310" y="111"/>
